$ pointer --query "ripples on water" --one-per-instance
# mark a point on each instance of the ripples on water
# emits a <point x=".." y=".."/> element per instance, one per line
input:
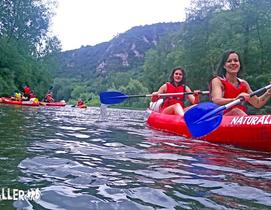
<point x="80" y="159"/>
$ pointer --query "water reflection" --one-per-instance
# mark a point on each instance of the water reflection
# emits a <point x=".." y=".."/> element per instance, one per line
<point x="81" y="160"/>
<point x="219" y="175"/>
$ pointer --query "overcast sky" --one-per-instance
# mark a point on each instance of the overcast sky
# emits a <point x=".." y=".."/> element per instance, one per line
<point x="89" y="22"/>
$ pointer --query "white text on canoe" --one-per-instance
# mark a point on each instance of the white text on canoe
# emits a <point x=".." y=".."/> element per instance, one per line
<point x="252" y="120"/>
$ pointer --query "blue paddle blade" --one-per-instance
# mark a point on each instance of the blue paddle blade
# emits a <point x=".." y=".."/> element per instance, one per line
<point x="112" y="97"/>
<point x="203" y="118"/>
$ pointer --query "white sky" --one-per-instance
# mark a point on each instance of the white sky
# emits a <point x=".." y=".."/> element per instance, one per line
<point x="89" y="22"/>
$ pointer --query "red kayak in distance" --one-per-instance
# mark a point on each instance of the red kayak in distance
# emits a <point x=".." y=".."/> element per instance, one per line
<point x="82" y="106"/>
<point x="249" y="132"/>
<point x="10" y="101"/>
<point x="20" y="103"/>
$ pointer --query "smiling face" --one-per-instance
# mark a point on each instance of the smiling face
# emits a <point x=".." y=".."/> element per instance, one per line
<point x="232" y="64"/>
<point x="178" y="76"/>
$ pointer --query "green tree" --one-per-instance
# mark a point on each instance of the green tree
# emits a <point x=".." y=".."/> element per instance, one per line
<point x="134" y="87"/>
<point x="28" y="52"/>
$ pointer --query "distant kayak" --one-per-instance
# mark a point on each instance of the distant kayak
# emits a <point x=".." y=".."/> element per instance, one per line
<point x="20" y="103"/>
<point x="52" y="103"/>
<point x="84" y="106"/>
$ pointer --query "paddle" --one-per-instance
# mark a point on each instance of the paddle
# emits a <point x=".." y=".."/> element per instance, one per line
<point x="206" y="117"/>
<point x="115" y="97"/>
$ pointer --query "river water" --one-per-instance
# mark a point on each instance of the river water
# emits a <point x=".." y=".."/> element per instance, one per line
<point x="81" y="159"/>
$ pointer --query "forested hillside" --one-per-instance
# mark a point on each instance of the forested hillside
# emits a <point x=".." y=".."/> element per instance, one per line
<point x="97" y="68"/>
<point x="122" y="53"/>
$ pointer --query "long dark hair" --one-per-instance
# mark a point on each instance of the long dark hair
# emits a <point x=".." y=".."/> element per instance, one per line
<point x="182" y="82"/>
<point x="221" y="71"/>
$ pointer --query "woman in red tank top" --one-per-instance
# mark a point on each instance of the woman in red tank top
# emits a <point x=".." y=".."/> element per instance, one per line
<point x="227" y="87"/>
<point x="175" y="105"/>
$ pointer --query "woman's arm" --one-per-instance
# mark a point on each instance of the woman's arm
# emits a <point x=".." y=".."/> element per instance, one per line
<point x="162" y="89"/>
<point x="190" y="98"/>
<point x="260" y="101"/>
<point x="193" y="98"/>
<point x="217" y="93"/>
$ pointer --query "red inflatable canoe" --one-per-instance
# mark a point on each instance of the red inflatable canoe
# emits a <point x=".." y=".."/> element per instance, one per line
<point x="249" y="132"/>
<point x="82" y="106"/>
<point x="53" y="103"/>
<point x="20" y="103"/>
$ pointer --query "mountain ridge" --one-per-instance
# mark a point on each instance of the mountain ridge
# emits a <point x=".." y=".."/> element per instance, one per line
<point x="124" y="52"/>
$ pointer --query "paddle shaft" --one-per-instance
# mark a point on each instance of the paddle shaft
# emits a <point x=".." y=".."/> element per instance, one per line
<point x="161" y="94"/>
<point x="169" y="94"/>
<point x="183" y="93"/>
<point x="115" y="97"/>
